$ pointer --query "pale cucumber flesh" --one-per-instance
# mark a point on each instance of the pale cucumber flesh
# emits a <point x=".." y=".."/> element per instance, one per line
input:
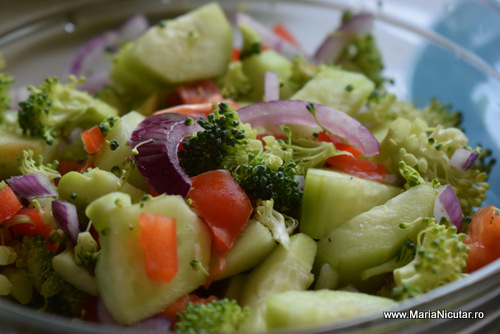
<point x="373" y="237"/>
<point x="331" y="198"/>
<point x="283" y="270"/>
<point x="307" y="309"/>
<point x="122" y="283"/>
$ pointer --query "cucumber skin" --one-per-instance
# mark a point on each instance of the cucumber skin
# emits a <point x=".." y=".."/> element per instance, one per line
<point x="253" y="244"/>
<point x="374" y="237"/>
<point x="328" y="87"/>
<point x="307" y="309"/>
<point x="122" y="282"/>
<point x="283" y="270"/>
<point x="332" y="198"/>
<point x="107" y="158"/>
<point x="193" y="46"/>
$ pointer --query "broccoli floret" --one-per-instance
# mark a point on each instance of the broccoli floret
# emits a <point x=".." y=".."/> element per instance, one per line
<point x="236" y="83"/>
<point x="263" y="172"/>
<point x="86" y="249"/>
<point x="218" y="316"/>
<point x="308" y="153"/>
<point x="53" y="110"/>
<point x="404" y="256"/>
<point x="428" y="150"/>
<point x="28" y="163"/>
<point x="362" y="55"/>
<point x="440" y="258"/>
<point x="57" y="295"/>
<point x="280" y="225"/>
<point x="34" y="257"/>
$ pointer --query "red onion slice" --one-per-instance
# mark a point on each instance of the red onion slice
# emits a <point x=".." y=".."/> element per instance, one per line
<point x="447" y="206"/>
<point x="31" y="186"/>
<point x="463" y="158"/>
<point x="89" y="57"/>
<point x="334" y="43"/>
<point x="134" y="27"/>
<point x="269" y="38"/>
<point x="295" y="112"/>
<point x="66" y="217"/>
<point x="157" y="139"/>
<point x="271" y="86"/>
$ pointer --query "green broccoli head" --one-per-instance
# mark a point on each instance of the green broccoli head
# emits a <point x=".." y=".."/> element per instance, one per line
<point x="34" y="257"/>
<point x="428" y="150"/>
<point x="440" y="258"/>
<point x="54" y="295"/>
<point x="53" y="110"/>
<point x="218" y="316"/>
<point x="236" y="83"/>
<point x="263" y="171"/>
<point x="207" y="149"/>
<point x="28" y="163"/>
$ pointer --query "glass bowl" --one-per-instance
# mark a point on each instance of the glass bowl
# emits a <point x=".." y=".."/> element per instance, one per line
<point x="431" y="48"/>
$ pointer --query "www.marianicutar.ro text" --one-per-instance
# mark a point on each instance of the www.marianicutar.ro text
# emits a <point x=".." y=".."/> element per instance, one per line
<point x="433" y="314"/>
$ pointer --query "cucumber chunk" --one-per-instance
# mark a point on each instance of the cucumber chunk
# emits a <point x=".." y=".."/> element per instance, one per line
<point x="256" y="66"/>
<point x="122" y="282"/>
<point x="64" y="264"/>
<point x="305" y="309"/>
<point x="83" y="188"/>
<point x="332" y="198"/>
<point x="108" y="158"/>
<point x="253" y="244"/>
<point x="283" y="270"/>
<point x="339" y="89"/>
<point x="373" y="237"/>
<point x="192" y="46"/>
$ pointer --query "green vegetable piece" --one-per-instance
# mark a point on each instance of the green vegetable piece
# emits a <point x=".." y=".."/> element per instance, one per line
<point x="22" y="286"/>
<point x="53" y="110"/>
<point x="332" y="198"/>
<point x="374" y="237"/>
<point x="283" y="270"/>
<point x="13" y="143"/>
<point x="107" y="158"/>
<point x="82" y="188"/>
<point x="5" y="285"/>
<point x="192" y="46"/>
<point x="122" y="282"/>
<point x="253" y="244"/>
<point x="218" y="316"/>
<point x="440" y="258"/>
<point x="255" y="68"/>
<point x="80" y="277"/>
<point x="301" y="310"/>
<point x="328" y="87"/>
<point x="7" y="255"/>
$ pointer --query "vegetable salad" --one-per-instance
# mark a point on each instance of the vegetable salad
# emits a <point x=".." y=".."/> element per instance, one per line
<point x="201" y="185"/>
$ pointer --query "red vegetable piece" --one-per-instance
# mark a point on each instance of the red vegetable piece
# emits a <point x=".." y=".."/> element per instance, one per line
<point x="93" y="139"/>
<point x="159" y="241"/>
<point x="9" y="203"/>
<point x="483" y="237"/>
<point x="222" y="204"/>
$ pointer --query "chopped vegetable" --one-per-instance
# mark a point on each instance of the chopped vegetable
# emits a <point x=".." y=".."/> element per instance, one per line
<point x="9" y="203"/>
<point x="93" y="139"/>
<point x="440" y="258"/>
<point x="222" y="204"/>
<point x="159" y="241"/>
<point x="482" y="237"/>
<point x="218" y="316"/>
